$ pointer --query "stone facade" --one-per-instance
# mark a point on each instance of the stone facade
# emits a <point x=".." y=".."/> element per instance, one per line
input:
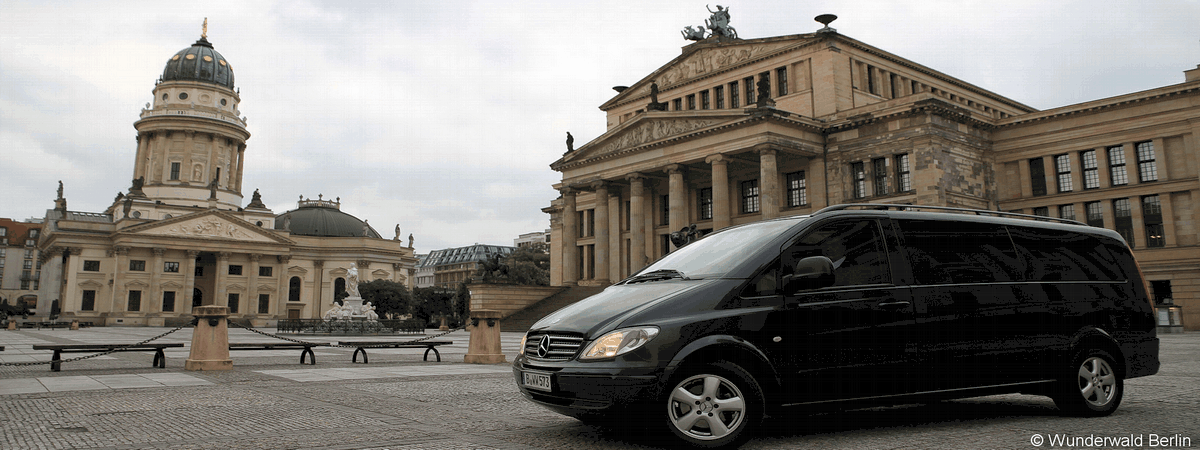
<point x="848" y="122"/>
<point x="21" y="268"/>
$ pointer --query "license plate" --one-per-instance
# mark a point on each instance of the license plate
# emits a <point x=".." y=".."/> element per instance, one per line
<point x="534" y="380"/>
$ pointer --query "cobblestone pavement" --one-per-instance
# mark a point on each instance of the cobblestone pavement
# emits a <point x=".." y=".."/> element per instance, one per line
<point x="269" y="401"/>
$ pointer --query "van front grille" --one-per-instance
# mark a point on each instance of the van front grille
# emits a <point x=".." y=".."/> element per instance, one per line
<point x="561" y="347"/>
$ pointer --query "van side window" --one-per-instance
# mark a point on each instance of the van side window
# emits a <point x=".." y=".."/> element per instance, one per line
<point x="1059" y="255"/>
<point x="855" y="247"/>
<point x="954" y="252"/>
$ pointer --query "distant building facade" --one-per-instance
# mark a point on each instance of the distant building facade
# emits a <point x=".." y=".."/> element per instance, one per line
<point x="180" y="237"/>
<point x="751" y="129"/>
<point x="424" y="274"/>
<point x="537" y="237"/>
<point x="453" y="266"/>
<point x="21" y="267"/>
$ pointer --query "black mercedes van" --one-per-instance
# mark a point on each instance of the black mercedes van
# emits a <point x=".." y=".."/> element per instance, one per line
<point x="854" y="305"/>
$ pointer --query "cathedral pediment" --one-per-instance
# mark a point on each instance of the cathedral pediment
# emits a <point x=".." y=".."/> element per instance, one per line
<point x="700" y="60"/>
<point x="208" y="225"/>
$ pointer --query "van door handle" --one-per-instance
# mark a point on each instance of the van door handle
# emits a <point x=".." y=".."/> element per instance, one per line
<point x="887" y="304"/>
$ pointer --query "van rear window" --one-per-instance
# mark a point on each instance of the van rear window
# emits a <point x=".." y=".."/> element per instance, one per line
<point x="952" y="252"/>
<point x="1060" y="255"/>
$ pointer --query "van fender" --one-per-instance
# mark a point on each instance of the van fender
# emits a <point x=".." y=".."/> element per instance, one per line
<point x="1095" y="337"/>
<point x="728" y="348"/>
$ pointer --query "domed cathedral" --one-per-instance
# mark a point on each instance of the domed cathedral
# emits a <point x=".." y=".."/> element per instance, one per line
<point x="180" y="236"/>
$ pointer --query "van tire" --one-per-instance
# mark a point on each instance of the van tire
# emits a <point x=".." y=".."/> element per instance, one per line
<point x="692" y="391"/>
<point x="1091" y="387"/>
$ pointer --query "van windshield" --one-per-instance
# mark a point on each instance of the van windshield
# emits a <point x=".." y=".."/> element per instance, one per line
<point x="718" y="253"/>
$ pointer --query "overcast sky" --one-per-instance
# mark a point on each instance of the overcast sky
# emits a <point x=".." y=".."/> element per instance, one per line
<point x="443" y="116"/>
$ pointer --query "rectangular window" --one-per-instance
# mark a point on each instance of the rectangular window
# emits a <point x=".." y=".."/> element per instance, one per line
<point x="871" y="80"/>
<point x="91" y="266"/>
<point x="199" y="271"/>
<point x="781" y="82"/>
<point x="748" y="86"/>
<point x="235" y="269"/>
<point x="903" y="174"/>
<point x="627" y="213"/>
<point x="135" y="301"/>
<point x="1095" y="215"/>
<point x="1091" y="170"/>
<point x="233" y="302"/>
<point x="265" y="271"/>
<point x="749" y="196"/>
<point x="264" y="303"/>
<point x="137" y="265"/>
<point x="1037" y="176"/>
<point x="1062" y="168"/>
<point x="168" y="301"/>
<point x="1152" y="216"/>
<point x="1067" y="212"/>
<point x="719" y="96"/>
<point x="89" y="301"/>
<point x="174" y="171"/>
<point x="665" y="208"/>
<point x="704" y="197"/>
<point x="1043" y="211"/>
<point x="1116" y="165"/>
<point x="171" y="267"/>
<point x="704" y="100"/>
<point x="764" y="77"/>
<point x="691" y="102"/>
<point x="1123" y="215"/>
<point x="28" y="264"/>
<point x="665" y="240"/>
<point x="678" y="104"/>
<point x="860" y="179"/>
<point x="797" y="189"/>
<point x="733" y="95"/>
<point x="879" y="166"/>
<point x="1147" y="168"/>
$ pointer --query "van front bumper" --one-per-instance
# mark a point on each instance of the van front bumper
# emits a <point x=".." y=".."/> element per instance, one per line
<point x="589" y="391"/>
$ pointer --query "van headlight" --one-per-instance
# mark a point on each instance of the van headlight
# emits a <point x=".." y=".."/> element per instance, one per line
<point x="522" y="348"/>
<point x="619" y="342"/>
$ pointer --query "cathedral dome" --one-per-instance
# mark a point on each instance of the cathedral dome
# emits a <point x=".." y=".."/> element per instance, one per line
<point x="323" y="219"/>
<point x="200" y="62"/>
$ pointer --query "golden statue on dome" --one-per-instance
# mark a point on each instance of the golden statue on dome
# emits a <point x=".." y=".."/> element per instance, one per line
<point x="204" y="29"/>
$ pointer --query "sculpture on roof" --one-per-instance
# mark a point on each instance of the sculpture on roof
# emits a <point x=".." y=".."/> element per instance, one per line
<point x="570" y="143"/>
<point x="718" y="23"/>
<point x="693" y="34"/>
<point x="397" y="237"/>
<point x="60" y="203"/>
<point x="764" y="93"/>
<point x="60" y="189"/>
<point x="410" y="240"/>
<point x="655" y="105"/>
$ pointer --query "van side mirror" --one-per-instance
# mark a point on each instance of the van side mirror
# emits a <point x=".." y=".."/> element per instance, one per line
<point x="813" y="272"/>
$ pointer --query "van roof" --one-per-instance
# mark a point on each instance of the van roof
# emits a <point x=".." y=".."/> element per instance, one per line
<point x="967" y="214"/>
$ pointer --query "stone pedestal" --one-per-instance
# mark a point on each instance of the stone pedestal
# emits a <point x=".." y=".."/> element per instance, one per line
<point x="444" y="327"/>
<point x="12" y="324"/>
<point x="210" y="340"/>
<point x="484" y="347"/>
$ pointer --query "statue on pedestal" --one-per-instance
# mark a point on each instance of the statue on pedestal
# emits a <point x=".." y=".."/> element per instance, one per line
<point x="352" y="281"/>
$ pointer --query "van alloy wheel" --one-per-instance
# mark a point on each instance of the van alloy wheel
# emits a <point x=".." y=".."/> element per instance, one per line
<point x="706" y="407"/>
<point x="1092" y="388"/>
<point x="1097" y="382"/>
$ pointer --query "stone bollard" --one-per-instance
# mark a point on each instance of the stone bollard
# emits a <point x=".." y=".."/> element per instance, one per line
<point x="444" y="327"/>
<point x="484" y="347"/>
<point x="74" y="324"/>
<point x="210" y="340"/>
<point x="12" y="325"/>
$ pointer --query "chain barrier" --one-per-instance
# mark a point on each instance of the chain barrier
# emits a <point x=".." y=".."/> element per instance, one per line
<point x="315" y="344"/>
<point x="81" y="358"/>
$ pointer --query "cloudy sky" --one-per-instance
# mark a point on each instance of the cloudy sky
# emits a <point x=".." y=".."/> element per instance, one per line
<point x="443" y="116"/>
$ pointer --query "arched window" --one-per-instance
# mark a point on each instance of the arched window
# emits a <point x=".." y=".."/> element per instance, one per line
<point x="294" y="289"/>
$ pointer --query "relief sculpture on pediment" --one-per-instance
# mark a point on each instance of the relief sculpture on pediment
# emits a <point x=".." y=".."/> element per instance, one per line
<point x="209" y="228"/>
<point x="652" y="131"/>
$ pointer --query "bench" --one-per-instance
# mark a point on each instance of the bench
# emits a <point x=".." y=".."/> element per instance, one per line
<point x="160" y="360"/>
<point x="361" y="346"/>
<point x="307" y="348"/>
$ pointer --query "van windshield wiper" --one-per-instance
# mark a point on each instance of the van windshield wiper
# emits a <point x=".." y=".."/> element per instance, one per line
<point x="658" y="275"/>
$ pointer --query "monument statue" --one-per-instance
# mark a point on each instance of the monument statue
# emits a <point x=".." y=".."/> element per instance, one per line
<point x="693" y="34"/>
<point x="410" y="240"/>
<point x="397" y="233"/>
<point x="256" y="201"/>
<point x="287" y="223"/>
<point x="333" y="312"/>
<point x="764" y="93"/>
<point x="718" y="23"/>
<point x="60" y="189"/>
<point x="204" y="29"/>
<point x="570" y="143"/>
<point x="655" y="105"/>
<point x="352" y="281"/>
<point x="366" y="228"/>
<point x="212" y="188"/>
<point x="369" y="311"/>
